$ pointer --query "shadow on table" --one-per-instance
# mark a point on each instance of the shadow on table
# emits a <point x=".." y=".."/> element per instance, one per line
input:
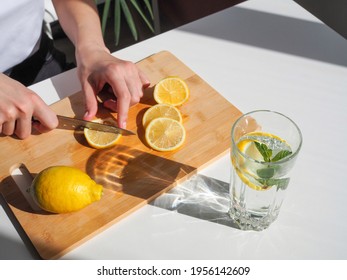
<point x="294" y="36"/>
<point x="201" y="197"/>
<point x="8" y="246"/>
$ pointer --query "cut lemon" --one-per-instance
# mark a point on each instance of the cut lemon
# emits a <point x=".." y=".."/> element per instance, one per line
<point x="161" y="111"/>
<point x="99" y="139"/>
<point x="171" y="90"/>
<point x="164" y="134"/>
<point x="248" y="180"/>
<point x="248" y="147"/>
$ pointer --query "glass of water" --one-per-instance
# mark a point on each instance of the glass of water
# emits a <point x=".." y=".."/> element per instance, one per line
<point x="264" y="147"/>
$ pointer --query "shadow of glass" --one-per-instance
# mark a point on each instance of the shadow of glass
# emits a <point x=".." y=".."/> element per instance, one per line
<point x="274" y="32"/>
<point x="201" y="197"/>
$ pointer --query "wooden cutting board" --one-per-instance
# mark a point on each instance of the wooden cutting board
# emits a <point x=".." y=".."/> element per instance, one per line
<point x="132" y="173"/>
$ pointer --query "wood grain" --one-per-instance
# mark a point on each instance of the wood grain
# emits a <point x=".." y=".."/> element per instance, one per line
<point x="131" y="173"/>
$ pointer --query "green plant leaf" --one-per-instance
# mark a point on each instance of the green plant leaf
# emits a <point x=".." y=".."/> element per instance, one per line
<point x="149" y="7"/>
<point x="138" y="9"/>
<point x="281" y="184"/>
<point x="264" y="151"/>
<point x="281" y="154"/>
<point x="105" y="15"/>
<point x="121" y="7"/>
<point x="117" y="20"/>
<point x="129" y="18"/>
<point x="266" y="173"/>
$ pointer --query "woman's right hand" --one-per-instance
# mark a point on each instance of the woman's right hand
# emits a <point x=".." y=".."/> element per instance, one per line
<point x="18" y="105"/>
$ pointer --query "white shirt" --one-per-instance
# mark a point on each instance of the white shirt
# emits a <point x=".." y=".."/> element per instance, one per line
<point x="20" y="29"/>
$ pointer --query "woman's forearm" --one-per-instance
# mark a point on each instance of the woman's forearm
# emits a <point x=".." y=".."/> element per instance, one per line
<point x="81" y="23"/>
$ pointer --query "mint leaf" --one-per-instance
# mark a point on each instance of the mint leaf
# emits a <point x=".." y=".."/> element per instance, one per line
<point x="266" y="173"/>
<point x="264" y="151"/>
<point x="281" y="154"/>
<point x="280" y="183"/>
<point x="267" y="153"/>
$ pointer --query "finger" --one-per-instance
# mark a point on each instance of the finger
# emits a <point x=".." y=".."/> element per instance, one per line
<point x="135" y="90"/>
<point x="23" y="128"/>
<point x="145" y="81"/>
<point x="123" y="105"/>
<point x="91" y="104"/>
<point x="8" y="127"/>
<point x="45" y="125"/>
<point x="44" y="115"/>
<point x="123" y="102"/>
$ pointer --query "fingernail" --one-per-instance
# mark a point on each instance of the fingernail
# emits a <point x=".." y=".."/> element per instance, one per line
<point x="124" y="125"/>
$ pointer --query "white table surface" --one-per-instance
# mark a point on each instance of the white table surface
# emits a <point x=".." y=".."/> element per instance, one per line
<point x="262" y="54"/>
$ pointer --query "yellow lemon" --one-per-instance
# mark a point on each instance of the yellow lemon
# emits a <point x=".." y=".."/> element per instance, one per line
<point x="161" y="111"/>
<point x="99" y="139"/>
<point x="164" y="134"/>
<point x="171" y="90"/>
<point x="64" y="189"/>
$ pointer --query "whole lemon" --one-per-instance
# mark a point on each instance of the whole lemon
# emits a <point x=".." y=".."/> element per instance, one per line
<point x="64" y="189"/>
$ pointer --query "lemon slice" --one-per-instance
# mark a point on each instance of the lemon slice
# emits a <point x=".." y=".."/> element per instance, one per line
<point x="164" y="134"/>
<point x="99" y="139"/>
<point x="248" y="147"/>
<point x="171" y="90"/>
<point x="246" y="144"/>
<point x="248" y="182"/>
<point x="161" y="111"/>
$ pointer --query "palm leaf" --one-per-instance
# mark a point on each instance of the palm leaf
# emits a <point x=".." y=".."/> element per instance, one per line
<point x="129" y="18"/>
<point x="117" y="21"/>
<point x="149" y="8"/>
<point x="137" y="7"/>
<point x="121" y="6"/>
<point x="105" y="15"/>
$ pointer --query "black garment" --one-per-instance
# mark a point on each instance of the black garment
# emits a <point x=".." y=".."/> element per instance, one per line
<point x="45" y="63"/>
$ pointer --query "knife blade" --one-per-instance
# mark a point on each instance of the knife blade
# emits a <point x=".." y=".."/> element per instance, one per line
<point x="74" y="123"/>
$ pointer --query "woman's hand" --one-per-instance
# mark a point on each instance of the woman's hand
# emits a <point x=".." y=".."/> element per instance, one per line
<point x="18" y="105"/>
<point x="127" y="82"/>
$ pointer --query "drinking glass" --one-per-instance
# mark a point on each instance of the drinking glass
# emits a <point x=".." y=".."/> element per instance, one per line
<point x="264" y="148"/>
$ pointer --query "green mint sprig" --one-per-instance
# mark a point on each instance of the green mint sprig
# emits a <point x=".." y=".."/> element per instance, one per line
<point x="267" y="153"/>
<point x="267" y="173"/>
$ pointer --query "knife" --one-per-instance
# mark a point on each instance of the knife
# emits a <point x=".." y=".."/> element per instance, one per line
<point x="74" y="123"/>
